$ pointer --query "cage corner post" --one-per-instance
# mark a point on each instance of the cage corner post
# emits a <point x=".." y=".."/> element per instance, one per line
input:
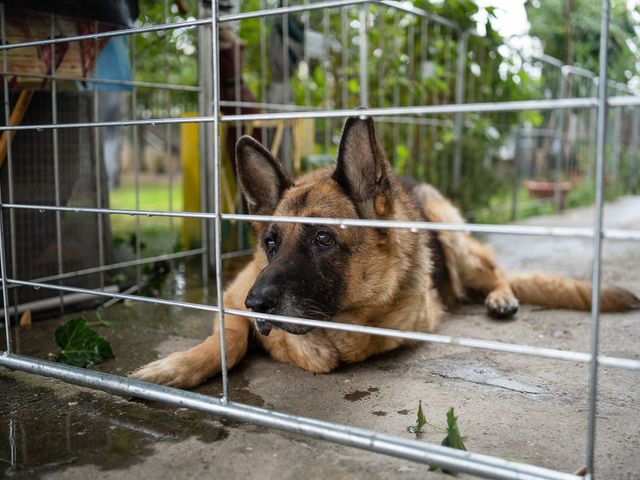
<point x="205" y="106"/>
<point x="215" y="79"/>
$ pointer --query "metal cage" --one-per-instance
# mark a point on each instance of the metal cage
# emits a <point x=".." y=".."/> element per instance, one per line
<point x="426" y="115"/>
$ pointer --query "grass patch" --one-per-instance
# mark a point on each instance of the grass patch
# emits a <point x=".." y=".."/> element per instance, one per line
<point x="155" y="232"/>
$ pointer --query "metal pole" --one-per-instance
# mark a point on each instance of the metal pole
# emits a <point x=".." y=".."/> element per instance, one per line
<point x="413" y="450"/>
<point x="597" y="233"/>
<point x="137" y="159"/>
<point x="364" y="56"/>
<point x="7" y="116"/>
<point x="98" y="173"/>
<point x="461" y="63"/>
<point x="558" y="160"/>
<point x="56" y="156"/>
<point x="215" y="73"/>
<point x="3" y="265"/>
<point x="204" y="133"/>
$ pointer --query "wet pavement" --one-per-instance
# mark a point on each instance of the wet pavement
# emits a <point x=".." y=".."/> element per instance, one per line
<point x="522" y="408"/>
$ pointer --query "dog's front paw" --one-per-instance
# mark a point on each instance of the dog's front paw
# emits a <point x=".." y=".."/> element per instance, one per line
<point x="501" y="304"/>
<point x="174" y="371"/>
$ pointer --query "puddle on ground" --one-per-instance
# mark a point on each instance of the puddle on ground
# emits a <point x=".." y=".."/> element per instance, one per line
<point x="47" y="432"/>
<point x="42" y="431"/>
<point x="360" y="394"/>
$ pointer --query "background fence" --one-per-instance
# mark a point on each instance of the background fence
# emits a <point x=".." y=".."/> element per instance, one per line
<point x="156" y="157"/>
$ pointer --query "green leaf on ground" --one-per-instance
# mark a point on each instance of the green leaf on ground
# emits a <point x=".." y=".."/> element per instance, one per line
<point x="421" y="421"/>
<point x="453" y="438"/>
<point x="81" y="346"/>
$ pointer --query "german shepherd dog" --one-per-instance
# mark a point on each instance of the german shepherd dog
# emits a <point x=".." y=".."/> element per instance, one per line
<point x="392" y="278"/>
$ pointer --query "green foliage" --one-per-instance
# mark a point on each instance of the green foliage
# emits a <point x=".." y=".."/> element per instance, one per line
<point x="576" y="39"/>
<point x="421" y="421"/>
<point x="81" y="346"/>
<point x="453" y="438"/>
<point x="166" y="57"/>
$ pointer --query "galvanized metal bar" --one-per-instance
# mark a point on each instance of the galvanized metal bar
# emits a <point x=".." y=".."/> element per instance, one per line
<point x="138" y="155"/>
<point x="461" y="70"/>
<point x="56" y="155"/>
<point x="559" y="156"/>
<point x="268" y="12"/>
<point x="413" y="450"/>
<point x="109" y="34"/>
<point x="102" y="81"/>
<point x="168" y="140"/>
<point x="543" y="352"/>
<point x="205" y="106"/>
<point x="612" y="234"/>
<point x="3" y="260"/>
<point x="120" y="296"/>
<point x="515" y="106"/>
<point x="129" y="263"/>
<point x="98" y="170"/>
<point x="624" y="101"/>
<point x="7" y="121"/>
<point x="597" y="235"/>
<point x="217" y="195"/>
<point x="3" y="273"/>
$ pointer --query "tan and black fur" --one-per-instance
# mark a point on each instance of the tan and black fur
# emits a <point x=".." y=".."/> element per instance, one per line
<point x="391" y="278"/>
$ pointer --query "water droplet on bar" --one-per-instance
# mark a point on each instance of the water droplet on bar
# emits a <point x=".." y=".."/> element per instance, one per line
<point x="36" y="287"/>
<point x="39" y="130"/>
<point x="153" y="124"/>
<point x="343" y="226"/>
<point x="414" y="230"/>
<point x="41" y="210"/>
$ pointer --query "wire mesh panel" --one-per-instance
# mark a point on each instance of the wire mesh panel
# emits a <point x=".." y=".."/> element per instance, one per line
<point x="431" y="116"/>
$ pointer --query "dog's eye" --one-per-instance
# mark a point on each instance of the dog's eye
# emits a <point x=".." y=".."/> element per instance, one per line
<point x="324" y="239"/>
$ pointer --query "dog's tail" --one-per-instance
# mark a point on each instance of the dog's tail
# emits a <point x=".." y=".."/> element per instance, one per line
<point x="562" y="292"/>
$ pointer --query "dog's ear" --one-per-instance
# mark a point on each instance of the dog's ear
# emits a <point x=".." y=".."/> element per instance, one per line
<point x="362" y="169"/>
<point x="262" y="178"/>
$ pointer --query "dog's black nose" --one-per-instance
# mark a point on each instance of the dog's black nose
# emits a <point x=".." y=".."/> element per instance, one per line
<point x="263" y="299"/>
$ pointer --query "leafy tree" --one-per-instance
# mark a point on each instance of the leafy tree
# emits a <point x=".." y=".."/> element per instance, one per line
<point x="576" y="39"/>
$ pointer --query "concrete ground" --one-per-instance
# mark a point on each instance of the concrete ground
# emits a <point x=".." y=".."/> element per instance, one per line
<point x="521" y="408"/>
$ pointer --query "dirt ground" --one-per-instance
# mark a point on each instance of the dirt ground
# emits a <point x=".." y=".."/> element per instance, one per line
<point x="521" y="408"/>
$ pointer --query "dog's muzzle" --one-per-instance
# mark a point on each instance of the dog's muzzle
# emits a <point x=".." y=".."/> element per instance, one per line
<point x="264" y="327"/>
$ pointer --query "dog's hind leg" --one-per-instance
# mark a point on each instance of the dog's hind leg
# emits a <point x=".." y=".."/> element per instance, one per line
<point x="470" y="264"/>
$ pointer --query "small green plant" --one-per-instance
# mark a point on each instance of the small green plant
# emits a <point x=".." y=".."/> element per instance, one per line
<point x="81" y="346"/>
<point x="453" y="438"/>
